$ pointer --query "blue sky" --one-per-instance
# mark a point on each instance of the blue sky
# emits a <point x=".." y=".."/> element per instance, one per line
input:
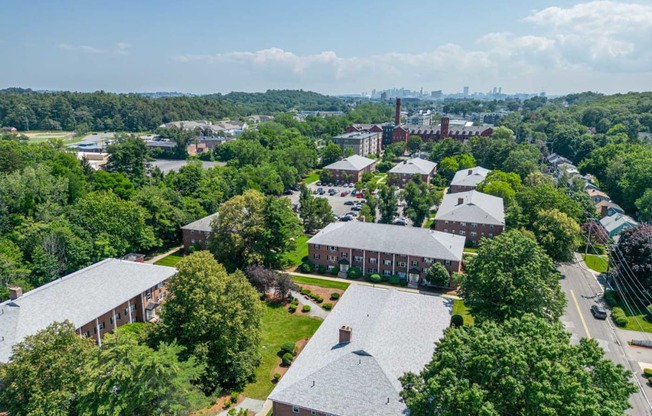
<point x="329" y="46"/>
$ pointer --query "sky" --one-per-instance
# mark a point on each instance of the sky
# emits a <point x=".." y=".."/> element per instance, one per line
<point x="332" y="47"/>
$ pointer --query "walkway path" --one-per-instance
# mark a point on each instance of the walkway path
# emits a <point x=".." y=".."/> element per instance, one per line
<point x="315" y="310"/>
<point x="256" y="406"/>
<point x="160" y="256"/>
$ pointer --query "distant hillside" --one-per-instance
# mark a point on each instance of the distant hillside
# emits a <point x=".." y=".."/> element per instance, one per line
<point x="273" y="101"/>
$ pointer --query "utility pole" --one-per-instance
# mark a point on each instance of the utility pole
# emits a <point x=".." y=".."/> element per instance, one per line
<point x="588" y="240"/>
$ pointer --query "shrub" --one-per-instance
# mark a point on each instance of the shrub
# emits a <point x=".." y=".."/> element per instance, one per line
<point x="354" y="273"/>
<point x="457" y="320"/>
<point x="321" y="269"/>
<point x="307" y="267"/>
<point x="649" y="380"/>
<point x="375" y="278"/>
<point x="306" y="292"/>
<point x="292" y="308"/>
<point x="287" y="359"/>
<point x="393" y="280"/>
<point x="288" y="347"/>
<point x="335" y="296"/>
<point x="319" y="299"/>
<point x="649" y="311"/>
<point x="334" y="270"/>
<point x="403" y="282"/>
<point x="277" y="376"/>
<point x="610" y="298"/>
<point x="327" y="306"/>
<point x="305" y="308"/>
<point x="385" y="278"/>
<point x="647" y="372"/>
<point x="618" y="316"/>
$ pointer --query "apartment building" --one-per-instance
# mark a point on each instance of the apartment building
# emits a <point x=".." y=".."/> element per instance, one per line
<point x="198" y="232"/>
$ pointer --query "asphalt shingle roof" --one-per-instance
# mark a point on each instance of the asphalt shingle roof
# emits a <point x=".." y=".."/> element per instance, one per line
<point x="355" y="163"/>
<point x="202" y="224"/>
<point x="464" y="178"/>
<point x="393" y="332"/>
<point x="387" y="238"/>
<point x="79" y="298"/>
<point x="476" y="207"/>
<point x="414" y="166"/>
<point x="613" y="222"/>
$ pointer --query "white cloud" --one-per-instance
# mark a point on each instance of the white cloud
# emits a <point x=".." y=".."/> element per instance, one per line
<point x="575" y="45"/>
<point x="120" y="48"/>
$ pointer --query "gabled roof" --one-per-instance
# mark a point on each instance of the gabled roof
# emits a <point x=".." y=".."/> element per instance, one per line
<point x="203" y="224"/>
<point x="414" y="166"/>
<point x="609" y="204"/>
<point x="357" y="135"/>
<point x="470" y="177"/>
<point x="595" y="192"/>
<point x="393" y="332"/>
<point x="476" y="207"/>
<point x="387" y="238"/>
<point x="354" y="163"/>
<point x="612" y="223"/>
<point x="79" y="298"/>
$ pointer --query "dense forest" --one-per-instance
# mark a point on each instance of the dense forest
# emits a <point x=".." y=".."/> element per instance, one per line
<point x="102" y="111"/>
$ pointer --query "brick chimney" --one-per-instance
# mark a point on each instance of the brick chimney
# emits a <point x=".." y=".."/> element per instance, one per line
<point x="460" y="201"/>
<point x="345" y="334"/>
<point x="15" y="292"/>
<point x="444" y="127"/>
<point x="470" y="172"/>
<point x="604" y="211"/>
<point x="397" y="115"/>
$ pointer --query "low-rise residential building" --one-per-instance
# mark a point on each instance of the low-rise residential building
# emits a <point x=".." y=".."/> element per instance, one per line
<point x="360" y="143"/>
<point x="468" y="179"/>
<point x="197" y="233"/>
<point x="351" y="169"/>
<point x="608" y="208"/>
<point x="472" y="215"/>
<point x="404" y="171"/>
<point x="96" y="300"/>
<point x="616" y="224"/>
<point x="385" y="249"/>
<point x="9" y="129"/>
<point x="597" y="195"/>
<point x="351" y="366"/>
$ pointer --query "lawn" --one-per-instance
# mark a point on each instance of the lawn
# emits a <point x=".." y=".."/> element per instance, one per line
<point x="312" y="177"/>
<point x="470" y="250"/>
<point x="595" y="262"/>
<point x="378" y="178"/>
<point x="170" y="260"/>
<point x="320" y="282"/>
<point x="278" y="326"/>
<point x="300" y="251"/>
<point x="459" y="308"/>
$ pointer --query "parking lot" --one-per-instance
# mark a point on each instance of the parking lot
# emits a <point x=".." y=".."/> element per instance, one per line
<point x="337" y="202"/>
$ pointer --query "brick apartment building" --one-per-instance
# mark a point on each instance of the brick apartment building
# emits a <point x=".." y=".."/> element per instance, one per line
<point x="197" y="233"/>
<point x="385" y="249"/>
<point x="351" y="169"/>
<point x="360" y="143"/>
<point x="467" y="179"/>
<point x="96" y="300"/>
<point x="404" y="171"/>
<point x="472" y="215"/>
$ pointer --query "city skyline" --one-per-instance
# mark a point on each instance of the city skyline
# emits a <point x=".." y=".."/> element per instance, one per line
<point x="202" y="47"/>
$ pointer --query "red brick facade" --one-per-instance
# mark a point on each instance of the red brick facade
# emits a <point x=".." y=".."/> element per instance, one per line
<point x="453" y="189"/>
<point x="400" y="179"/>
<point x="350" y="175"/>
<point x="195" y="237"/>
<point x="472" y="231"/>
<point x="282" y="409"/>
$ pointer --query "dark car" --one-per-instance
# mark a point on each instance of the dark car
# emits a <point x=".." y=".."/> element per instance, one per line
<point x="598" y="312"/>
<point x="349" y="203"/>
<point x="356" y="208"/>
<point x="288" y="192"/>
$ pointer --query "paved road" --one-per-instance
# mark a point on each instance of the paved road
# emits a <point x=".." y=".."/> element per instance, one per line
<point x="582" y="290"/>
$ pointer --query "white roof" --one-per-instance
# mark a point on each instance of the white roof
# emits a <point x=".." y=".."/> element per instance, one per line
<point x="414" y="166"/>
<point x="388" y="238"/>
<point x="355" y="163"/>
<point x="79" y="298"/>
<point x="476" y="207"/>
<point x="202" y="224"/>
<point x="612" y="223"/>
<point x="470" y="177"/>
<point x="393" y="332"/>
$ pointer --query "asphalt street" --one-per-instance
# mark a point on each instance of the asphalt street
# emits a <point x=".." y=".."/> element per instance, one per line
<point x="583" y="290"/>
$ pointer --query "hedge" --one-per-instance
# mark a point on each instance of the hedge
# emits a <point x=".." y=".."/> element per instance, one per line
<point x="288" y="347"/>
<point x="287" y="359"/>
<point x="305" y="308"/>
<point x="354" y="273"/>
<point x="647" y="372"/>
<point x="307" y="267"/>
<point x="321" y="269"/>
<point x="618" y="316"/>
<point x="327" y="306"/>
<point x="610" y="298"/>
<point x="335" y="296"/>
<point x="394" y="280"/>
<point x="334" y="270"/>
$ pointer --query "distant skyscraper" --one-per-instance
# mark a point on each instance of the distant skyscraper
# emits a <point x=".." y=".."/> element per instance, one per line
<point x="500" y="90"/>
<point x="466" y="91"/>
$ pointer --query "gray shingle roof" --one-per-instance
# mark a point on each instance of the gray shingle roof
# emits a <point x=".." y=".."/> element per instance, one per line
<point x="613" y="222"/>
<point x="470" y="177"/>
<point x="387" y="238"/>
<point x="355" y="163"/>
<point x="476" y="207"/>
<point x="414" y="166"/>
<point x="393" y="332"/>
<point x="79" y="297"/>
<point x="202" y="224"/>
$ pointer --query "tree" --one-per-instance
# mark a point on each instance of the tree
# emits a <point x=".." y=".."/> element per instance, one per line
<point x="546" y="197"/>
<point x="557" y="233"/>
<point x="46" y="373"/>
<point x="511" y="276"/>
<point x="644" y="205"/>
<point x="216" y="317"/>
<point x="116" y="182"/>
<point x="419" y="198"/>
<point x="127" y="155"/>
<point x="525" y="366"/>
<point x="632" y="257"/>
<point x="131" y="378"/>
<point x="315" y="213"/>
<point x="387" y="204"/>
<point x="414" y="143"/>
<point x="438" y="275"/>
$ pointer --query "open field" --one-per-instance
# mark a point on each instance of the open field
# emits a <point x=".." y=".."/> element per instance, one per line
<point x="312" y="177"/>
<point x="68" y="137"/>
<point x="459" y="308"/>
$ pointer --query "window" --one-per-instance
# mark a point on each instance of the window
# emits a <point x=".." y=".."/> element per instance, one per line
<point x="428" y="260"/>
<point x="371" y="270"/>
<point x="133" y="307"/>
<point x="111" y="320"/>
<point x="402" y="264"/>
<point x="332" y="248"/>
<point x="160" y="285"/>
<point x="491" y="226"/>
<point x="474" y="225"/>
<point x="447" y="262"/>
<point x="313" y="412"/>
<point x="387" y="272"/>
<point x="387" y="262"/>
<point x="474" y="234"/>
<point x="345" y="255"/>
<point x="118" y="316"/>
<point x="88" y="333"/>
<point x="295" y="409"/>
<point x="373" y="260"/>
<point x="358" y="259"/>
<point x="148" y="293"/>
<point x="463" y="224"/>
<point x="332" y="258"/>
<point x="462" y="232"/>
<point x="126" y="311"/>
<point x="315" y="256"/>
<point x="415" y="263"/>
<point x="490" y="235"/>
<point x="317" y="246"/>
<point x="445" y="230"/>
<point x="446" y="222"/>
<point x="102" y="325"/>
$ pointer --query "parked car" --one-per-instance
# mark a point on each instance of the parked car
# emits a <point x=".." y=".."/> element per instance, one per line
<point x="400" y="221"/>
<point x="352" y="214"/>
<point x="353" y="192"/>
<point x="318" y="183"/>
<point x="351" y="185"/>
<point x="356" y="208"/>
<point x="344" y="193"/>
<point x="346" y="218"/>
<point x="349" y="203"/>
<point x="598" y="312"/>
<point x="359" y="195"/>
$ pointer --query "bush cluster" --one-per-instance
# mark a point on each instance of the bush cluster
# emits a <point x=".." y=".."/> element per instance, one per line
<point x="375" y="278"/>
<point x="327" y="306"/>
<point x="316" y="297"/>
<point x="354" y="273"/>
<point x="457" y="320"/>
<point x="292" y="308"/>
<point x="619" y="317"/>
<point x="288" y="347"/>
<point x="610" y="298"/>
<point x="306" y="292"/>
<point x="305" y="308"/>
<point x="335" y="296"/>
<point x="334" y="270"/>
<point x="287" y="359"/>
<point x="307" y="267"/>
<point x="321" y="269"/>
<point x="394" y="280"/>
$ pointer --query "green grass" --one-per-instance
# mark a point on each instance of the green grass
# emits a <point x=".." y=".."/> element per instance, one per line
<point x="597" y="263"/>
<point x="278" y="326"/>
<point x="459" y="308"/>
<point x="330" y="284"/>
<point x="377" y="177"/>
<point x="470" y="250"/>
<point x="312" y="177"/>
<point x="300" y="251"/>
<point x="170" y="260"/>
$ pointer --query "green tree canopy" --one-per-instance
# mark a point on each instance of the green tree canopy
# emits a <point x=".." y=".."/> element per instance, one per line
<point x="557" y="233"/>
